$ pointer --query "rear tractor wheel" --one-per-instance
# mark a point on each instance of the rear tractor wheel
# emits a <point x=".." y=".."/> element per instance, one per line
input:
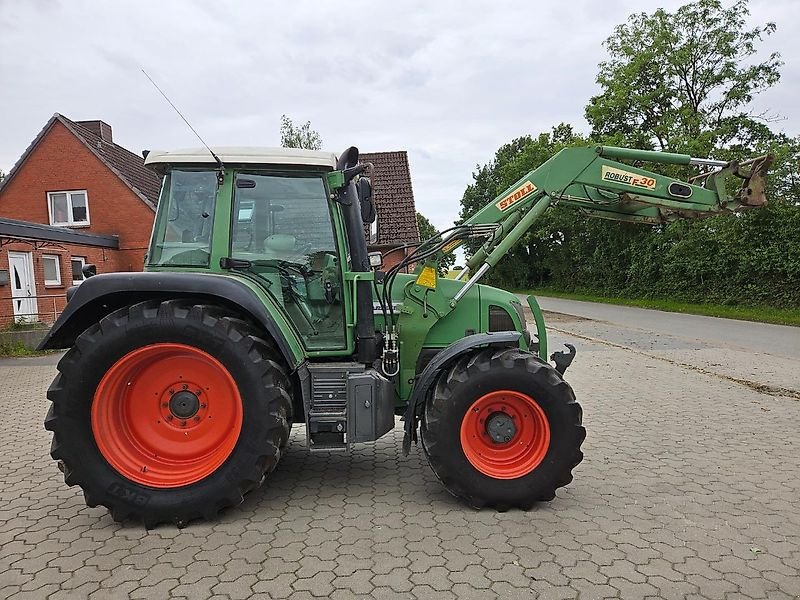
<point x="502" y="429"/>
<point x="168" y="411"/>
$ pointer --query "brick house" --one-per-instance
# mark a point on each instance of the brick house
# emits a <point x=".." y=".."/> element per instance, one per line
<point x="395" y="232"/>
<point x="73" y="197"/>
<point x="37" y="264"/>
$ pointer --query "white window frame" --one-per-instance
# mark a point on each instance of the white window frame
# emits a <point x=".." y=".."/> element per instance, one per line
<point x="57" y="259"/>
<point x="82" y="259"/>
<point x="70" y="220"/>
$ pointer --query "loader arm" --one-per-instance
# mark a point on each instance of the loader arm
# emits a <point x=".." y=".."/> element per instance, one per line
<point x="593" y="180"/>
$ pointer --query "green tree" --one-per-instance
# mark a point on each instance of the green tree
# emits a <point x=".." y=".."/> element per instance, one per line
<point x="525" y="264"/>
<point x="680" y="82"/>
<point x="684" y="81"/>
<point x="426" y="231"/>
<point x="426" y="228"/>
<point x="511" y="162"/>
<point x="299" y="136"/>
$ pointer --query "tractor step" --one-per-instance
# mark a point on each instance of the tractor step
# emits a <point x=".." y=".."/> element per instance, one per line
<point x="327" y="430"/>
<point x="345" y="403"/>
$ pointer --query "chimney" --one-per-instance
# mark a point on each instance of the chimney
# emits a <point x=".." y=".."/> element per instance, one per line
<point x="99" y="128"/>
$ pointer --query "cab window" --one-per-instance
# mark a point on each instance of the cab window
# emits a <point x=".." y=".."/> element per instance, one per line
<point x="282" y="227"/>
<point x="182" y="235"/>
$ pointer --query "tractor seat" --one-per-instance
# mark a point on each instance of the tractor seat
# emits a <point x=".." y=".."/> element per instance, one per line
<point x="280" y="242"/>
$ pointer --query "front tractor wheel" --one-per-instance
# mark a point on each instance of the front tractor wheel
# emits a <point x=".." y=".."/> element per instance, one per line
<point x="502" y="429"/>
<point x="168" y="411"/>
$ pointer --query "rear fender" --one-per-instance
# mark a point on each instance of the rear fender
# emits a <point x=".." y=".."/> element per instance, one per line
<point x="99" y="296"/>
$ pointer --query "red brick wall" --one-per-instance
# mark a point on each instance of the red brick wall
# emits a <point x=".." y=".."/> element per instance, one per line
<point x="392" y="257"/>
<point x="61" y="162"/>
<point x="50" y="299"/>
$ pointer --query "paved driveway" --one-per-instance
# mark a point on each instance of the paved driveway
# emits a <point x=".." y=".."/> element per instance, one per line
<point x="689" y="489"/>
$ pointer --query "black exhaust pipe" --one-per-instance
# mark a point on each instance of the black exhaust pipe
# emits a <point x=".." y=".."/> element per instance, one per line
<point x="367" y="350"/>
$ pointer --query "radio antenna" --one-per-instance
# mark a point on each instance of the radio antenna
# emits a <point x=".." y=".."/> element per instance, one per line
<point x="221" y="170"/>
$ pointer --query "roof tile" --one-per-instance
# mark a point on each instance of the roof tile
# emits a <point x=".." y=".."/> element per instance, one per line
<point x="129" y="165"/>
<point x="393" y="196"/>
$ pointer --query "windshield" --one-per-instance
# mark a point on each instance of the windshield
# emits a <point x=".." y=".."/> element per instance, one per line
<point x="182" y="236"/>
<point x="282" y="227"/>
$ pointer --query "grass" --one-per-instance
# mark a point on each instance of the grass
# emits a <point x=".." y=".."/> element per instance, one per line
<point x="23" y="326"/>
<point x="17" y="350"/>
<point x="762" y="314"/>
<point x="13" y="348"/>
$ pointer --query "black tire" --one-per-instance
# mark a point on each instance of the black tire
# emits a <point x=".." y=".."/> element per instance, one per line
<point x="252" y="362"/>
<point x="471" y="378"/>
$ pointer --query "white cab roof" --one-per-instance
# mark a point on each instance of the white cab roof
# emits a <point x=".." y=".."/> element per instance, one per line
<point x="243" y="155"/>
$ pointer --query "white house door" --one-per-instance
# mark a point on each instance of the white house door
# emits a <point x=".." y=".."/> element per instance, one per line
<point x="23" y="286"/>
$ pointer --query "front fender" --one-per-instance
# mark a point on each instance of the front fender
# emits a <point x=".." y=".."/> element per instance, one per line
<point x="501" y="339"/>
<point x="100" y="295"/>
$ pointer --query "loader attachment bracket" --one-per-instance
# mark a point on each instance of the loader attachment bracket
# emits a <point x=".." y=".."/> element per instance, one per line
<point x="563" y="359"/>
<point x="751" y="194"/>
<point x="752" y="191"/>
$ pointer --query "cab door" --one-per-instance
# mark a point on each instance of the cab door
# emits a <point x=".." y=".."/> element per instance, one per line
<point x="282" y="226"/>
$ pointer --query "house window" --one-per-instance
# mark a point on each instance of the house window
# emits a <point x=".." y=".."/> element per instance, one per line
<point x="52" y="269"/>
<point x="68" y="208"/>
<point x="77" y="269"/>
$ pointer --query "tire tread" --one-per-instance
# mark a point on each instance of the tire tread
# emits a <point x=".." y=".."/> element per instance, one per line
<point x="442" y="405"/>
<point x="276" y="394"/>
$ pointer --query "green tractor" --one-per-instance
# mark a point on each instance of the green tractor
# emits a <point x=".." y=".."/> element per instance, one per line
<point x="260" y="307"/>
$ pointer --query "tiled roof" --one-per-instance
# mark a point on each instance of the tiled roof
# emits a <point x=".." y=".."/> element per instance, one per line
<point x="393" y="197"/>
<point x="126" y="165"/>
<point x="13" y="230"/>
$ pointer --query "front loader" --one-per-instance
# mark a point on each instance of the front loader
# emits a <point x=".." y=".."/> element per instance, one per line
<point x="260" y="307"/>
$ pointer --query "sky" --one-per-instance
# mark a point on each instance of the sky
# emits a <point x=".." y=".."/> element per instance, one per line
<point x="448" y="81"/>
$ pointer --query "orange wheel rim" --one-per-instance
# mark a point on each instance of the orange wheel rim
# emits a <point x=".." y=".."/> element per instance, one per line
<point x="166" y="415"/>
<point x="505" y="434"/>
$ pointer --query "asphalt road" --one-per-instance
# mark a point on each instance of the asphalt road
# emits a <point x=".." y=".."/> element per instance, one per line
<point x="776" y="340"/>
<point x="763" y="356"/>
<point x="688" y="489"/>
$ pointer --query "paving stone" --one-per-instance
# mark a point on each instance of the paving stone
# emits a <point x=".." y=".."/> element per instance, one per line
<point x="688" y="488"/>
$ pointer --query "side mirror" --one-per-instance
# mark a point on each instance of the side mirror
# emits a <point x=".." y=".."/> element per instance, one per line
<point x="89" y="270"/>
<point x="365" y="197"/>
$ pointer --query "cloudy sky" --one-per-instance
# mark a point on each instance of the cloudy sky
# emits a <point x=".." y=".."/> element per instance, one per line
<point x="448" y="81"/>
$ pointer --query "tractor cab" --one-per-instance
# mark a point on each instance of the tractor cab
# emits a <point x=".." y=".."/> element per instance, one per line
<point x="267" y="218"/>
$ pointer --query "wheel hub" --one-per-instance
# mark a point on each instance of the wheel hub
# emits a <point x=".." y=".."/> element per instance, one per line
<point x="500" y="427"/>
<point x="184" y="404"/>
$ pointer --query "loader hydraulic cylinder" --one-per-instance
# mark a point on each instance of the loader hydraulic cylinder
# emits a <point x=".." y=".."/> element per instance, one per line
<point x="664" y="158"/>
